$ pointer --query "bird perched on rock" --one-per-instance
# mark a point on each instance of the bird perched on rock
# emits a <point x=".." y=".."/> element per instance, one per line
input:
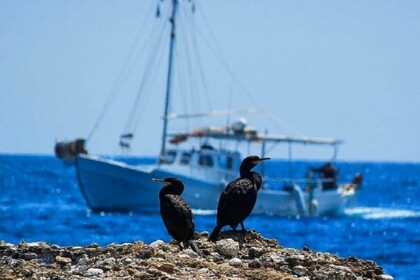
<point x="176" y="214"/>
<point x="238" y="198"/>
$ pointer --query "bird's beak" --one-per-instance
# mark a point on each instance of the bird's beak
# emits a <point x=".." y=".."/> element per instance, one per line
<point x="158" y="180"/>
<point x="261" y="159"/>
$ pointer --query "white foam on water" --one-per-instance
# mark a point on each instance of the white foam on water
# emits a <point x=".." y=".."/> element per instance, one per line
<point x="376" y="213"/>
<point x="203" y="212"/>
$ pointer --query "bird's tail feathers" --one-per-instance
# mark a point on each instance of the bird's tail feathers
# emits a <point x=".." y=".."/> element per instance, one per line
<point x="215" y="233"/>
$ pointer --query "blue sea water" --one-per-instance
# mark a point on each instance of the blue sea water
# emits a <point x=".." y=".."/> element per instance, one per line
<point x="40" y="200"/>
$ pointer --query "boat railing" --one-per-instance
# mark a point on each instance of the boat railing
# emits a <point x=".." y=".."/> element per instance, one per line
<point x="215" y="171"/>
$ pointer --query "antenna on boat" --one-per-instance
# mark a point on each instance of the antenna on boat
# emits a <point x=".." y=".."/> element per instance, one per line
<point x="168" y="80"/>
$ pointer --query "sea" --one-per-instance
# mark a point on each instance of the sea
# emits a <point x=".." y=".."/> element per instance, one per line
<point x="40" y="200"/>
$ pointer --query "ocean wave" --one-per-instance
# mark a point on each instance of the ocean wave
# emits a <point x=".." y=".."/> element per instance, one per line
<point x="203" y="212"/>
<point x="377" y="213"/>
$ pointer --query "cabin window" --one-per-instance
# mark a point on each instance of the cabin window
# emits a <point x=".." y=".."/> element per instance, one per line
<point x="229" y="162"/>
<point x="205" y="160"/>
<point x="207" y="147"/>
<point x="170" y="156"/>
<point x="185" y="158"/>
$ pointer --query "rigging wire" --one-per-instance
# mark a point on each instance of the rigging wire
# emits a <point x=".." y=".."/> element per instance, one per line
<point x="189" y="39"/>
<point x="149" y="65"/>
<point x="198" y="59"/>
<point x="190" y="69"/>
<point x="186" y="77"/>
<point x="159" y="60"/>
<point x="217" y="50"/>
<point x="158" y="54"/>
<point x="120" y="79"/>
<point x="200" y="64"/>
<point x="183" y="69"/>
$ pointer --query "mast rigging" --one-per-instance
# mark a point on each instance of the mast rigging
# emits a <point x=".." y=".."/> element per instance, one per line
<point x="168" y="80"/>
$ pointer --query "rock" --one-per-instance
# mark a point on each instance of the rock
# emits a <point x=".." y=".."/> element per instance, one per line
<point x="40" y="245"/>
<point x="340" y="268"/>
<point x="237" y="255"/>
<point x="83" y="260"/>
<point x="4" y="245"/>
<point x="167" y="267"/>
<point x="62" y="260"/>
<point x="335" y="272"/>
<point x="203" y="270"/>
<point x="255" y="264"/>
<point x="295" y="259"/>
<point x="160" y="254"/>
<point x="300" y="270"/>
<point x="127" y="261"/>
<point x="206" y="252"/>
<point x="29" y="256"/>
<point x="216" y="257"/>
<point x="183" y="256"/>
<point x="235" y="262"/>
<point x="255" y="252"/>
<point x="227" y="247"/>
<point x="46" y="258"/>
<point x="277" y="259"/>
<point x="109" y="261"/>
<point x="145" y="253"/>
<point x="190" y="253"/>
<point x="156" y="243"/>
<point x="93" y="272"/>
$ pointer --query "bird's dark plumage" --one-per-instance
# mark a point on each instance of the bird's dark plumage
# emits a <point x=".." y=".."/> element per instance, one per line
<point x="175" y="212"/>
<point x="238" y="198"/>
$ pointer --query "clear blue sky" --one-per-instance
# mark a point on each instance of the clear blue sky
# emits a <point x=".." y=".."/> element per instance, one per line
<point x="341" y="69"/>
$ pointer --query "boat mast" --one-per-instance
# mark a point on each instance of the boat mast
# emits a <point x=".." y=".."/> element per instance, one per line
<point x="168" y="80"/>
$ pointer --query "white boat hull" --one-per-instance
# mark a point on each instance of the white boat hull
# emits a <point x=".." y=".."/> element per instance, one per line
<point x="109" y="185"/>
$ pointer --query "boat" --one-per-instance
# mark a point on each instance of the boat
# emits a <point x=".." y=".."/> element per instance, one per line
<point x="205" y="167"/>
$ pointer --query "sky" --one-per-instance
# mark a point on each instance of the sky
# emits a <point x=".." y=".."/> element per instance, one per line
<point x="342" y="69"/>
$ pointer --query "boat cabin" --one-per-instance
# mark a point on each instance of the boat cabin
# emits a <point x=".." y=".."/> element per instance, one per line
<point x="207" y="156"/>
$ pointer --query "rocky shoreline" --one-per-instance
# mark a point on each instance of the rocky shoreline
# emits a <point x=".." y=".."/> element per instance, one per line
<point x="235" y="256"/>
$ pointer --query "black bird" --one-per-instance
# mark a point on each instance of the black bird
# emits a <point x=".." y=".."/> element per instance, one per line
<point x="238" y="198"/>
<point x="176" y="214"/>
